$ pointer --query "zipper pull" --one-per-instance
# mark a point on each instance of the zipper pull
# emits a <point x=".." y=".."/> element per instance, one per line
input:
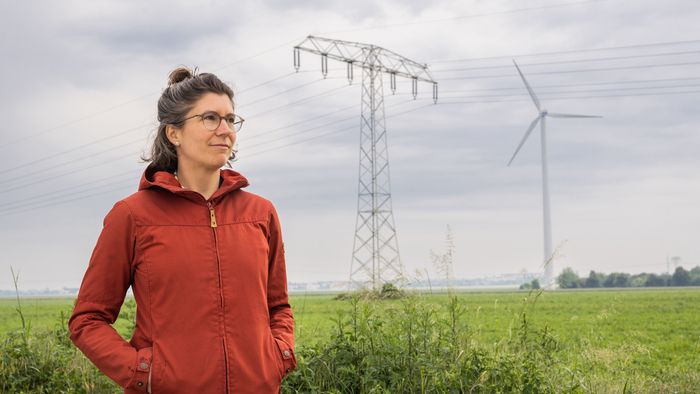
<point x="211" y="215"/>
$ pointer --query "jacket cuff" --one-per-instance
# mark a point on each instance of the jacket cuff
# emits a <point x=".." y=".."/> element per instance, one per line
<point x="139" y="381"/>
<point x="287" y="353"/>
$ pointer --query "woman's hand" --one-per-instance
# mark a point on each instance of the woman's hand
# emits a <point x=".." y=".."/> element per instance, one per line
<point x="148" y="389"/>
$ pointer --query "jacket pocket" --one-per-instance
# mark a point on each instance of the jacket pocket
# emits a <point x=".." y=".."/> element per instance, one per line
<point x="285" y="357"/>
<point x="279" y="364"/>
<point x="158" y="366"/>
<point x="154" y="374"/>
<point x="144" y="363"/>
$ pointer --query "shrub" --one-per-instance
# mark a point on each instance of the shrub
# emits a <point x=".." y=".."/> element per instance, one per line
<point x="388" y="292"/>
<point x="45" y="361"/>
<point x="422" y="348"/>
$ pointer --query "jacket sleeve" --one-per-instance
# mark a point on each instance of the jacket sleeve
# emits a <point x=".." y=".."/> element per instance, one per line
<point x="281" y="319"/>
<point x="102" y="291"/>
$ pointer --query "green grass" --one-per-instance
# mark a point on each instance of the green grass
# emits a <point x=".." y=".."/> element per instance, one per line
<point x="645" y="340"/>
<point x="650" y="338"/>
<point x="40" y="312"/>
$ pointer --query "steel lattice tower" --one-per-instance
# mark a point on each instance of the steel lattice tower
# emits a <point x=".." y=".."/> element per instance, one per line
<point x="375" y="257"/>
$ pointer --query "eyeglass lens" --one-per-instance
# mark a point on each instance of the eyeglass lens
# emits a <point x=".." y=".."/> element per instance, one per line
<point x="213" y="120"/>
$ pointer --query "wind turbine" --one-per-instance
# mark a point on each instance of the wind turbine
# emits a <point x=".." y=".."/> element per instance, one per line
<point x="541" y="119"/>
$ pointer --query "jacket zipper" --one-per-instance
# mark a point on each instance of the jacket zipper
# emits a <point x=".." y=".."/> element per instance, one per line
<point x="212" y="223"/>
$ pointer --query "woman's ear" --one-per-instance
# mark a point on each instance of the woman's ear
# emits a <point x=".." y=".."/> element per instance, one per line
<point x="173" y="135"/>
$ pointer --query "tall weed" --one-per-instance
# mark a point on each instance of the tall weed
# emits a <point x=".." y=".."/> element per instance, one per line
<point x="46" y="361"/>
<point x="417" y="347"/>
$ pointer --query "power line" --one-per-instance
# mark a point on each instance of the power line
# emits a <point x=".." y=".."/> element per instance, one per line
<point x="123" y="132"/>
<point x="354" y="117"/>
<point x="25" y="137"/>
<point x="54" y="203"/>
<point x="493" y="96"/>
<point x="72" y="122"/>
<point x="263" y="52"/>
<point x="306" y="120"/>
<point x="305" y="131"/>
<point x="586" y="60"/>
<point x="69" y="188"/>
<point x="269" y="81"/>
<point x="289" y="74"/>
<point x="53" y="155"/>
<point x="45" y="179"/>
<point x="14" y="210"/>
<point x="570" y="98"/>
<point x="461" y="97"/>
<point x="57" y="165"/>
<point x="62" y="174"/>
<point x="265" y="83"/>
<point x="640" y="81"/>
<point x="108" y="137"/>
<point x="20" y="205"/>
<point x="576" y="71"/>
<point x="313" y="128"/>
<point x="293" y="103"/>
<point x="119" y="105"/>
<point x="332" y="132"/>
<point x="580" y="91"/>
<point x="281" y="92"/>
<point x="667" y="43"/>
<point x="441" y="103"/>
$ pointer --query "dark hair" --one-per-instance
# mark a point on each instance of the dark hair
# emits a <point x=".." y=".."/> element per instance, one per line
<point x="185" y="87"/>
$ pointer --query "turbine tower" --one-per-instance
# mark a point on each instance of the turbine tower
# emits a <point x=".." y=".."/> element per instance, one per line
<point x="541" y="119"/>
<point x="375" y="255"/>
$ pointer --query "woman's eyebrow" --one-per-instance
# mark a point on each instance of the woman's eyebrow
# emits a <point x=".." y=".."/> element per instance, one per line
<point x="214" y="112"/>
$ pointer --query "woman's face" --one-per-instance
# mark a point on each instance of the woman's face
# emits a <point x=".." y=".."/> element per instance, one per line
<point x="200" y="148"/>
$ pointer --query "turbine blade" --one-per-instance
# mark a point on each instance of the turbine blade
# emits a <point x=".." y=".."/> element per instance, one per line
<point x="529" y="88"/>
<point x="527" y="134"/>
<point x="555" y="115"/>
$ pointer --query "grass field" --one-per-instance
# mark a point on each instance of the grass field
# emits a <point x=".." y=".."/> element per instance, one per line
<point x="647" y="340"/>
<point x="618" y="335"/>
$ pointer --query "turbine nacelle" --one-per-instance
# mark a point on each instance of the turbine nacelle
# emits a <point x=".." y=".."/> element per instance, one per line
<point x="543" y="112"/>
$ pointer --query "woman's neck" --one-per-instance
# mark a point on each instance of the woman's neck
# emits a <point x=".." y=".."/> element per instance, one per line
<point x="204" y="182"/>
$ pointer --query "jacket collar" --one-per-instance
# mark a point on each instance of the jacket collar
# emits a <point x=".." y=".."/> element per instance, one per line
<point x="152" y="179"/>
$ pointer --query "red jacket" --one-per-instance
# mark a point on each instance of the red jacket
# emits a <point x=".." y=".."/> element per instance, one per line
<point x="210" y="285"/>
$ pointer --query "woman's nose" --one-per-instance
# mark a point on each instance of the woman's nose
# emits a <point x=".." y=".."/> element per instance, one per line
<point x="223" y="129"/>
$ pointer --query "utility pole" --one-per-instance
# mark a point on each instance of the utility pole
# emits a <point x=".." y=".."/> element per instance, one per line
<point x="375" y="255"/>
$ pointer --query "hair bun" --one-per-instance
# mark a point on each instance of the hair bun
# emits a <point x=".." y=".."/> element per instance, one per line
<point x="179" y="74"/>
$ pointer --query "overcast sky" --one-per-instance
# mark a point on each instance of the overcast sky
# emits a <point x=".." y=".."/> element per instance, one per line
<point x="80" y="81"/>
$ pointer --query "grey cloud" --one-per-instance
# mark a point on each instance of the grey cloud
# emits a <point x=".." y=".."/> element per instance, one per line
<point x="158" y="28"/>
<point x="447" y="161"/>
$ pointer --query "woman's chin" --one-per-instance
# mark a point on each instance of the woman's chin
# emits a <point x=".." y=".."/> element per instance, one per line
<point x="220" y="161"/>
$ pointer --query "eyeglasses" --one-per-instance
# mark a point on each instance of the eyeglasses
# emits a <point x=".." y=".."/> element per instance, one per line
<point x="212" y="120"/>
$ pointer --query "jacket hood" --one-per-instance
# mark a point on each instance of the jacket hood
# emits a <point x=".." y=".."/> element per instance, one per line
<point x="153" y="178"/>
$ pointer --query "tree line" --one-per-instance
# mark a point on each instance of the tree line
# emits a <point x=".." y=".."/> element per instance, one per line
<point x="569" y="279"/>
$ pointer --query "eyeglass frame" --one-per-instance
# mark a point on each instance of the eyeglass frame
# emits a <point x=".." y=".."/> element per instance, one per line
<point x="201" y="116"/>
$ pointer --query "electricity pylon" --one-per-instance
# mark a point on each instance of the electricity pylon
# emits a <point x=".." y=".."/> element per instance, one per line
<point x="375" y="254"/>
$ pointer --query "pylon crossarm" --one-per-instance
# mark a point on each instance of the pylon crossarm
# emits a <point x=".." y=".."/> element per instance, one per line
<point x="358" y="53"/>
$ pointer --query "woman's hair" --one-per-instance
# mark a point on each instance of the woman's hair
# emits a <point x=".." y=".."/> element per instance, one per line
<point x="185" y="88"/>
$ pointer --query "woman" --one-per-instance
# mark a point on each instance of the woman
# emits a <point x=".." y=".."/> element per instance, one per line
<point x="204" y="258"/>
